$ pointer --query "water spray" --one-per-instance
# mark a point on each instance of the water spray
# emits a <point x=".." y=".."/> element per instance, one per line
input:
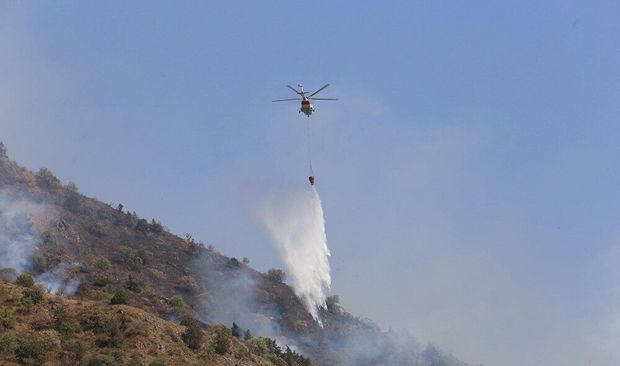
<point x="296" y="225"/>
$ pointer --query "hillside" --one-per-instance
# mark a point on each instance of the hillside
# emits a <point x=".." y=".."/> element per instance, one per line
<point x="92" y="252"/>
<point x="64" y="331"/>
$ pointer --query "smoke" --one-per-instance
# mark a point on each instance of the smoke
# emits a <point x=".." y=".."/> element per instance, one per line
<point x="58" y="280"/>
<point x="18" y="236"/>
<point x="296" y="225"/>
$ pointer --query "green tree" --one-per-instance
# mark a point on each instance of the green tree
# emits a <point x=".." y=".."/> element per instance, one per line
<point x="30" y="352"/>
<point x="73" y="200"/>
<point x="8" y="343"/>
<point x="46" y="179"/>
<point x="236" y="330"/>
<point x="33" y="295"/>
<point x="7" y="319"/>
<point x="193" y="335"/>
<point x="222" y="341"/>
<point x="177" y="305"/>
<point x="119" y="297"/>
<point x="133" y="284"/>
<point x="276" y="275"/>
<point x="25" y="279"/>
<point x="102" y="264"/>
<point x="39" y="264"/>
<point x="3" y="151"/>
<point x="62" y="321"/>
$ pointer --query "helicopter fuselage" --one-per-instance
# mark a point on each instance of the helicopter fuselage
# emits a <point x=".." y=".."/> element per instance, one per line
<point x="306" y="107"/>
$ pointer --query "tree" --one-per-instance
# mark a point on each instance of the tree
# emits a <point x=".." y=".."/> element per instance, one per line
<point x="177" y="305"/>
<point x="73" y="200"/>
<point x="236" y="330"/>
<point x="276" y="275"/>
<point x="7" y="319"/>
<point x="25" y="279"/>
<point x="120" y="297"/>
<point x="332" y="302"/>
<point x="193" y="335"/>
<point x="133" y="284"/>
<point x="221" y="343"/>
<point x="102" y="264"/>
<point x="62" y="321"/>
<point x="3" y="152"/>
<point x="47" y="179"/>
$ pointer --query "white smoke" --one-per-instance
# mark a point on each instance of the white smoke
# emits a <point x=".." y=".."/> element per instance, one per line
<point x="57" y="280"/>
<point x="18" y="236"/>
<point x="296" y="226"/>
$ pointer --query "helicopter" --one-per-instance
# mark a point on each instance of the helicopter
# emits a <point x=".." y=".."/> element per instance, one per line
<point x="306" y="98"/>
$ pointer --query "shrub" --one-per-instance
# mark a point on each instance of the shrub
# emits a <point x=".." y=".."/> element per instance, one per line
<point x="15" y="295"/>
<point x="142" y="226"/>
<point x="221" y="343"/>
<point x="75" y="349"/>
<point x="156" y="227"/>
<point x="135" y="260"/>
<point x="62" y="321"/>
<point x="177" y="305"/>
<point x="39" y="264"/>
<point x="96" y="321"/>
<point x="188" y="284"/>
<point x="8" y="343"/>
<point x="51" y="246"/>
<point x="33" y="295"/>
<point x="157" y="362"/>
<point x="103" y="264"/>
<point x="119" y="356"/>
<point x="135" y="360"/>
<point x="46" y="179"/>
<point x="120" y="297"/>
<point x="73" y="201"/>
<point x="49" y="239"/>
<point x="133" y="284"/>
<point x="97" y="229"/>
<point x="29" y="350"/>
<point x="276" y="275"/>
<point x="7" y="319"/>
<point x="102" y="360"/>
<point x="193" y="335"/>
<point x="109" y="329"/>
<point x="49" y="341"/>
<point x="25" y="279"/>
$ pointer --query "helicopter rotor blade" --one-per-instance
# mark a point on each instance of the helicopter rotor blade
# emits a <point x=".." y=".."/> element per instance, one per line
<point x="316" y="92"/>
<point x="324" y="98"/>
<point x="293" y="89"/>
<point x="284" y="100"/>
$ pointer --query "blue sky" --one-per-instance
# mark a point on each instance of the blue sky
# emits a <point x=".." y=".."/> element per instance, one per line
<point x="468" y="173"/>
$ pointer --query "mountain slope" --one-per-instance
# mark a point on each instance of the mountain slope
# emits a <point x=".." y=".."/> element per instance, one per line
<point x="92" y="251"/>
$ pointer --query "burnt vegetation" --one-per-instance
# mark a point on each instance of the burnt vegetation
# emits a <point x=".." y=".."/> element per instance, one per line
<point x="139" y="293"/>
